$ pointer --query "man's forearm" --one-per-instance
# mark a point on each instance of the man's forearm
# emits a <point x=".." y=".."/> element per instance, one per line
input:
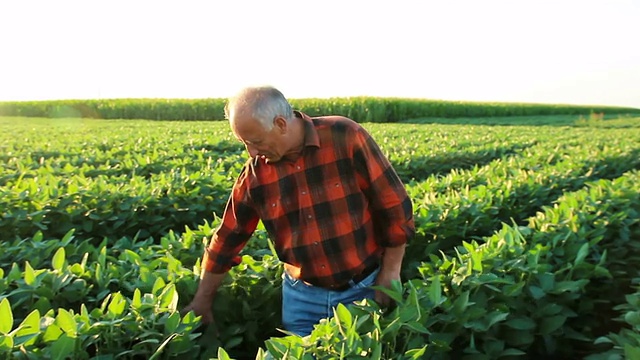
<point x="389" y="271"/>
<point x="208" y="286"/>
<point x="392" y="259"/>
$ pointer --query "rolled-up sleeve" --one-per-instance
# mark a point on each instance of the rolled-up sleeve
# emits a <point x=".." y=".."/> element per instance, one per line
<point x="390" y="206"/>
<point x="239" y="221"/>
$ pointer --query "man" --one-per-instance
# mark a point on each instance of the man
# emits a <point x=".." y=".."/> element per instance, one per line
<point x="335" y="208"/>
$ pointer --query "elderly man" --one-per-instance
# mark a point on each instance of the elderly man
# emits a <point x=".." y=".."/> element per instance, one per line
<point x="330" y="200"/>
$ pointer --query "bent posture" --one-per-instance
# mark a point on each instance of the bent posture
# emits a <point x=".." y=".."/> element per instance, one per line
<point x="329" y="199"/>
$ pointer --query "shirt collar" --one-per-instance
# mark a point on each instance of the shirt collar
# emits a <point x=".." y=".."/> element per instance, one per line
<point x="311" y="138"/>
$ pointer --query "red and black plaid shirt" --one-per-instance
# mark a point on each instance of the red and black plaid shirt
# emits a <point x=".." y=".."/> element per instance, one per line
<point x="331" y="211"/>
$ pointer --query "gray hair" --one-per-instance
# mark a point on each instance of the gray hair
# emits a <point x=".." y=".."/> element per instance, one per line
<point x="263" y="102"/>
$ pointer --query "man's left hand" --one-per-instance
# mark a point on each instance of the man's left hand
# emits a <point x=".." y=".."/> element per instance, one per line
<point x="384" y="279"/>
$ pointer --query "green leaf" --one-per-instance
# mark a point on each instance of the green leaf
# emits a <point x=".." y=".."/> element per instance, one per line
<point x="158" y="285"/>
<point x="551" y="324"/>
<point x="233" y="342"/>
<point x="582" y="254"/>
<point x="172" y="323"/>
<point x="15" y="273"/>
<point x="102" y="256"/>
<point x="521" y="323"/>
<point x="514" y="290"/>
<point x="435" y="291"/>
<point x="275" y="347"/>
<point x="52" y="332"/>
<point x="495" y="317"/>
<point x="392" y="328"/>
<point x="493" y="347"/>
<point x="512" y="352"/>
<point x="600" y="271"/>
<point x="603" y="340"/>
<point x="377" y="351"/>
<point x="84" y="312"/>
<point x="476" y="260"/>
<point x="67" y="323"/>
<point x="461" y="303"/>
<point x="549" y="310"/>
<point x="29" y="274"/>
<point x="136" y="302"/>
<point x="58" y="259"/>
<point x="6" y="343"/>
<point x="536" y="292"/>
<point x="29" y="327"/>
<point x="68" y="237"/>
<point x="6" y="317"/>
<point x="468" y="246"/>
<point x="392" y="293"/>
<point x="547" y="280"/>
<point x="343" y="315"/>
<point x="222" y="355"/>
<point x="117" y="305"/>
<point x="133" y="257"/>
<point x="63" y="347"/>
<point x="169" y="298"/>
<point x="571" y="286"/>
<point x="416" y="353"/>
<point x="417" y="327"/>
<point x="408" y="314"/>
<point x="632" y="318"/>
<point x="190" y="318"/>
<point x="160" y="348"/>
<point x="631" y="352"/>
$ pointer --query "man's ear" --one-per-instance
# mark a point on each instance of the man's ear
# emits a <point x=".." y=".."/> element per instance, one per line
<point x="280" y="123"/>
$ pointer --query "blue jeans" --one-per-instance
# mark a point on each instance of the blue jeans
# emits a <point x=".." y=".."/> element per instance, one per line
<point x="304" y="305"/>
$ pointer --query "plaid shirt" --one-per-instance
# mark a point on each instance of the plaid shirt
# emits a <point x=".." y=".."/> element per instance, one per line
<point x="331" y="211"/>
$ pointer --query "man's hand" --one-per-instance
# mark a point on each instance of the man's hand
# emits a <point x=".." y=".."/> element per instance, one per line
<point x="384" y="279"/>
<point x="202" y="301"/>
<point x="389" y="271"/>
<point x="201" y="307"/>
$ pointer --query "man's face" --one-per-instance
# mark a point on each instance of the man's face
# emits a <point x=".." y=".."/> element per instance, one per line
<point x="269" y="145"/>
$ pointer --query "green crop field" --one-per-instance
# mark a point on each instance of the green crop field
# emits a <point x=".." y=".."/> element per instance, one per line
<point x="527" y="245"/>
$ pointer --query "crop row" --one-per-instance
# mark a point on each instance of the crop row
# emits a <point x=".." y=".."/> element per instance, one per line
<point x="365" y="109"/>
<point x="118" y="179"/>
<point x="67" y="297"/>
<point x="523" y="290"/>
<point x="146" y="178"/>
<point x="104" y="225"/>
<point x="472" y="204"/>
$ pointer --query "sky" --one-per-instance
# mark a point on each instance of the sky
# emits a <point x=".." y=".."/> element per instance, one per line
<point x="562" y="51"/>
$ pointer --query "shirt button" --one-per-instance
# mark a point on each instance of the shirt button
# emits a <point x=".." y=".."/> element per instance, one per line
<point x="298" y="167"/>
<point x="315" y="243"/>
<point x="273" y="205"/>
<point x="304" y="193"/>
<point x="309" y="216"/>
<point x="322" y="266"/>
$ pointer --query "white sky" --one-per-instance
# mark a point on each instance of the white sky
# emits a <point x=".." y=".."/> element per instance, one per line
<point x="562" y="51"/>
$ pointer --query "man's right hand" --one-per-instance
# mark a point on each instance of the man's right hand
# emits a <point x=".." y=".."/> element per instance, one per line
<point x="200" y="307"/>
<point x="203" y="299"/>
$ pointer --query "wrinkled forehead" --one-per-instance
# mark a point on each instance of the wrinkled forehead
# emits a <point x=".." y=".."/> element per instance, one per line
<point x="245" y="127"/>
<point x="238" y="111"/>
